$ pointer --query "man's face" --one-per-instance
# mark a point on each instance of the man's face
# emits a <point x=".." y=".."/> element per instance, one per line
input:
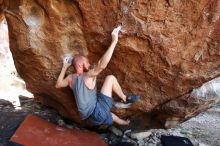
<point x="86" y="64"/>
<point x="81" y="63"/>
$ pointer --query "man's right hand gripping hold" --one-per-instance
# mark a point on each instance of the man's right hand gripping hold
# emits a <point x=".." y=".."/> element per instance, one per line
<point x="91" y="105"/>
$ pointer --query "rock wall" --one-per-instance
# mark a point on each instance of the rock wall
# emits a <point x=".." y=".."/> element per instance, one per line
<point x="166" y="48"/>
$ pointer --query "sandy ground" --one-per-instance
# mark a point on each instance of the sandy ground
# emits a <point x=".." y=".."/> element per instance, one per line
<point x="202" y="130"/>
<point x="205" y="127"/>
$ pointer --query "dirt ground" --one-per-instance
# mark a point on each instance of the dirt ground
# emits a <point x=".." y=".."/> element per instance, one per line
<point x="205" y="128"/>
<point x="202" y="130"/>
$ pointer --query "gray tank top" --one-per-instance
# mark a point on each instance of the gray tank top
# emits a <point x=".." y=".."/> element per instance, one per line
<point x="85" y="98"/>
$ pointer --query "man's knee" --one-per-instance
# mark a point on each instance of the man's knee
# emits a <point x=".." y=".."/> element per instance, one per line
<point x="111" y="77"/>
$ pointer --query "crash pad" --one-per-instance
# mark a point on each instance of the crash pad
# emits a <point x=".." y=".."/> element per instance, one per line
<point x="35" y="131"/>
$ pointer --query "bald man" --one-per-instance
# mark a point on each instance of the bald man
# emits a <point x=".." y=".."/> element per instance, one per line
<point x="92" y="106"/>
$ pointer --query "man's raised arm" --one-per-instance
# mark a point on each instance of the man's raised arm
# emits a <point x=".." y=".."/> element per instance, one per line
<point x="61" y="82"/>
<point x="103" y="62"/>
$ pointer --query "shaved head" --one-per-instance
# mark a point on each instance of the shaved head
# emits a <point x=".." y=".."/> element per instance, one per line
<point x="81" y="63"/>
<point x="78" y="59"/>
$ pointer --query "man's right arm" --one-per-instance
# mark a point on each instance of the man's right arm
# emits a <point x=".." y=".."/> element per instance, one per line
<point x="103" y="62"/>
<point x="61" y="82"/>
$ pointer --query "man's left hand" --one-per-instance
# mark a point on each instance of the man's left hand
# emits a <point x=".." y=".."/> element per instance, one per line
<point x="115" y="33"/>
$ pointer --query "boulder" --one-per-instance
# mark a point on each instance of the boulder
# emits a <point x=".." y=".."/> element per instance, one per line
<point x="166" y="47"/>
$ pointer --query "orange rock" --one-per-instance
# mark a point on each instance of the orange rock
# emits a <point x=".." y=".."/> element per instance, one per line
<point x="35" y="131"/>
<point x="166" y="48"/>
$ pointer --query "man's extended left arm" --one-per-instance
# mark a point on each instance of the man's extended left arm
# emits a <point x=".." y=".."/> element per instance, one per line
<point x="103" y="62"/>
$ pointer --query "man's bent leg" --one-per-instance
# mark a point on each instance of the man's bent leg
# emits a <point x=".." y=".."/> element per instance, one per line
<point x="119" y="121"/>
<point x="111" y="84"/>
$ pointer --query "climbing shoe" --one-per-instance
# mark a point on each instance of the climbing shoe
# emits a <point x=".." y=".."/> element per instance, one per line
<point x="132" y="98"/>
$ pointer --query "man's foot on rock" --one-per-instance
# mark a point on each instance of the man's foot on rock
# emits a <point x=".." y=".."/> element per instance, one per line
<point x="121" y="105"/>
<point x="124" y="122"/>
<point x="132" y="98"/>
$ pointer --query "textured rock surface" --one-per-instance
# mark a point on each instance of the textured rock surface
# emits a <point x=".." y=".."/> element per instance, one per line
<point x="167" y="47"/>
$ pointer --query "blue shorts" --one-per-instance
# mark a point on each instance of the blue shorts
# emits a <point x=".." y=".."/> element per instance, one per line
<point x="102" y="114"/>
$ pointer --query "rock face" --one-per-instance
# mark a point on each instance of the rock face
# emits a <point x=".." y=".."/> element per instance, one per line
<point x="166" y="48"/>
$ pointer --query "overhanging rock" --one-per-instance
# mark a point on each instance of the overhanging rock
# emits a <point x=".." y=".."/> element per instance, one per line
<point x="166" y="48"/>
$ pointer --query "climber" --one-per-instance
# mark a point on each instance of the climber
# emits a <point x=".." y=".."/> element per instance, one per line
<point x="92" y="106"/>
